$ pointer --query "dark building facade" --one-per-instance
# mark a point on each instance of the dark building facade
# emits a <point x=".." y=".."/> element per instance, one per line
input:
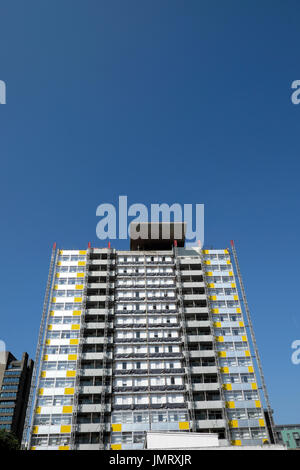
<point x="15" y="379"/>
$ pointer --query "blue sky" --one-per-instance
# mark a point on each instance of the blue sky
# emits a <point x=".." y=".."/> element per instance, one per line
<point x="169" y="102"/>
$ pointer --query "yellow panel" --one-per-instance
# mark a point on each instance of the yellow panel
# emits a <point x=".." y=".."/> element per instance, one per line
<point x="236" y="442"/>
<point x="69" y="391"/>
<point x="206" y="252"/>
<point x="235" y="297"/>
<point x="213" y="297"/>
<point x="61" y="252"/>
<point x="261" y="423"/>
<point x="59" y="263"/>
<point x="217" y="324"/>
<point x="184" y="425"/>
<point x="224" y="370"/>
<point x="222" y="353"/>
<point x="207" y="261"/>
<point x="35" y="430"/>
<point x="74" y="341"/>
<point x="247" y="353"/>
<point x="75" y="327"/>
<point x="56" y="286"/>
<point x="41" y="391"/>
<point x="64" y="448"/>
<point x="250" y="369"/>
<point x="257" y="404"/>
<point x="81" y="263"/>
<point x="228" y="261"/>
<point x="244" y="338"/>
<point x="80" y="274"/>
<point x="209" y="273"/>
<point x="45" y="358"/>
<point x="51" y="313"/>
<point x="53" y="299"/>
<point x="116" y="427"/>
<point x="211" y="285"/>
<point x="32" y="448"/>
<point x="241" y="324"/>
<point x="65" y="428"/>
<point x="57" y="274"/>
<point x="49" y="327"/>
<point x="230" y="273"/>
<point x="67" y="409"/>
<point x="71" y="373"/>
<point x="116" y="446"/>
<point x="227" y="387"/>
<point x="82" y="252"/>
<point x="43" y="373"/>
<point x="238" y="310"/>
<point x="79" y="286"/>
<point x="72" y="357"/>
<point x="254" y="386"/>
<point x="78" y="299"/>
<point x="215" y="310"/>
<point x="76" y="312"/>
<point x="226" y="251"/>
<point x="38" y="410"/>
<point x="233" y="284"/>
<point x="220" y="339"/>
<point x="230" y="404"/>
<point x="48" y="341"/>
<point x="233" y="423"/>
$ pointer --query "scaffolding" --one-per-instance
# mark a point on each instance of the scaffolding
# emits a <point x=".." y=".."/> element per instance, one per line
<point x="256" y="353"/>
<point x="186" y="353"/>
<point x="26" y="439"/>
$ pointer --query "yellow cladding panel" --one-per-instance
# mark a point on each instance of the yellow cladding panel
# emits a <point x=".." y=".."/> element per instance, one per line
<point x="238" y="310"/>
<point x="61" y="252"/>
<point x="184" y="425"/>
<point x="69" y="391"/>
<point x="64" y="448"/>
<point x="51" y="313"/>
<point x="53" y="299"/>
<point x="32" y="448"/>
<point x="59" y="263"/>
<point x="207" y="261"/>
<point x="49" y="327"/>
<point x="217" y="324"/>
<point x="230" y="404"/>
<point x="215" y="310"/>
<point x="233" y="285"/>
<point x="230" y="273"/>
<point x="250" y="369"/>
<point x="80" y="274"/>
<point x="227" y="387"/>
<point x="56" y="287"/>
<point x="75" y="327"/>
<point x="254" y="386"/>
<point x="235" y="297"/>
<point x="43" y="373"/>
<point x="57" y="275"/>
<point x="76" y="312"/>
<point x="78" y="299"/>
<point x="82" y="252"/>
<point x="233" y="423"/>
<point x="71" y="373"/>
<point x="247" y="353"/>
<point x="220" y="339"/>
<point x="241" y="324"/>
<point x="226" y="251"/>
<point x="209" y="273"/>
<point x="116" y="446"/>
<point x="48" y="341"/>
<point x="74" y="341"/>
<point x="116" y="427"/>
<point x="45" y="358"/>
<point x="79" y="286"/>
<point x="206" y="252"/>
<point x="237" y="442"/>
<point x="244" y="338"/>
<point x="35" y="430"/>
<point x="41" y="391"/>
<point x="257" y="404"/>
<point x="222" y="353"/>
<point x="213" y="297"/>
<point x="67" y="409"/>
<point x="72" y="357"/>
<point x="38" y="410"/>
<point x="211" y="285"/>
<point x="261" y="423"/>
<point x="81" y="263"/>
<point x="224" y="370"/>
<point x="65" y="428"/>
<point x="228" y="261"/>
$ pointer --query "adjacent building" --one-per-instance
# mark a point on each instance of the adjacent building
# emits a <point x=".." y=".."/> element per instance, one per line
<point x="149" y="339"/>
<point x="288" y="434"/>
<point x="15" y="379"/>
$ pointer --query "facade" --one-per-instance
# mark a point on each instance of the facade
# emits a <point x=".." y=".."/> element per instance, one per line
<point x="15" y="379"/>
<point x="144" y="340"/>
<point x="289" y="434"/>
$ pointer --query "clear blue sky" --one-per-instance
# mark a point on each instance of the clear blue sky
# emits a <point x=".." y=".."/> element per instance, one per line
<point x="164" y="101"/>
